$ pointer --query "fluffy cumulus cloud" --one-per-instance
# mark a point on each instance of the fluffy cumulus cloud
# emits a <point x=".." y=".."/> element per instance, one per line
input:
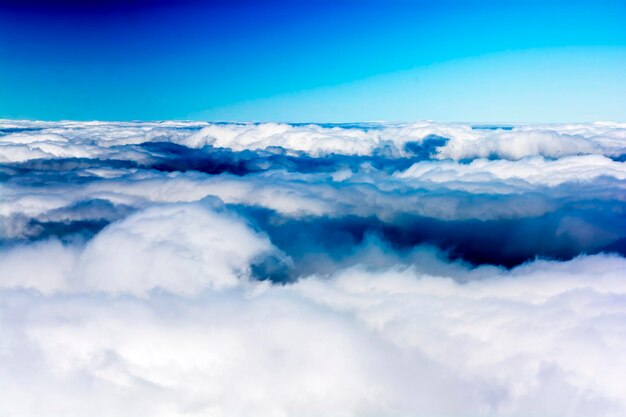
<point x="187" y="268"/>
<point x="180" y="248"/>
<point x="534" y="171"/>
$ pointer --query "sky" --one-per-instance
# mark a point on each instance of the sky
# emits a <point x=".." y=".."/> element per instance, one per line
<point x="314" y="61"/>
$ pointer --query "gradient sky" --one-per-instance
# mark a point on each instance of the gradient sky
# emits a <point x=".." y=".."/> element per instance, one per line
<point x="325" y="61"/>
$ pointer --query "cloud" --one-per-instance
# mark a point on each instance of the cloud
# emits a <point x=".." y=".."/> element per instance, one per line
<point x="171" y="268"/>
<point x="24" y="141"/>
<point x="501" y="212"/>
<point x="180" y="248"/>
<point x="312" y="139"/>
<point x="386" y="342"/>
<point x="463" y="141"/>
<point x="535" y="171"/>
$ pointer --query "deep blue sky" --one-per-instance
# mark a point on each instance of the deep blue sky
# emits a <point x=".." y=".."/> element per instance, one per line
<point x="314" y="60"/>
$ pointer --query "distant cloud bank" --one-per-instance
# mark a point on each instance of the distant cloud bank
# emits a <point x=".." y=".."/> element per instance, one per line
<point x="190" y="268"/>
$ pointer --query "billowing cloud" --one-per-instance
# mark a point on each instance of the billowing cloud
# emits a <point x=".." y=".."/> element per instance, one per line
<point x="22" y="141"/>
<point x="535" y="171"/>
<point x="180" y="248"/>
<point x="544" y="339"/>
<point x="173" y="268"/>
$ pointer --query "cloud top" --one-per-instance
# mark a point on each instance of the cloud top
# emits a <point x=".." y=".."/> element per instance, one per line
<point x="23" y="140"/>
<point x="171" y="268"/>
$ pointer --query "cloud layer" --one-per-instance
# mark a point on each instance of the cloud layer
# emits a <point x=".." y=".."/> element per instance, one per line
<point x="174" y="268"/>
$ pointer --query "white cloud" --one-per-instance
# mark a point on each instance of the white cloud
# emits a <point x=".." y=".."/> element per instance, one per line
<point x="552" y="141"/>
<point x="182" y="248"/>
<point x="95" y="139"/>
<point x="155" y="307"/>
<point x="544" y="338"/>
<point x="534" y="171"/>
<point x="312" y="139"/>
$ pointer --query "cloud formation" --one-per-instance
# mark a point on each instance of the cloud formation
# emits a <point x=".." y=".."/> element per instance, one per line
<point x="542" y="339"/>
<point x="174" y="268"/>
<point x="24" y="140"/>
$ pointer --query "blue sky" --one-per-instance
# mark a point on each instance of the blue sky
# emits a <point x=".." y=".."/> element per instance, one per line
<point x="325" y="61"/>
